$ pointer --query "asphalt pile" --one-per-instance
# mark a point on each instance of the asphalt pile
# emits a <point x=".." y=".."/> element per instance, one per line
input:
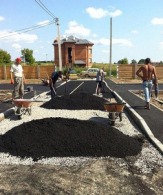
<point x="76" y="101"/>
<point x="65" y="137"/>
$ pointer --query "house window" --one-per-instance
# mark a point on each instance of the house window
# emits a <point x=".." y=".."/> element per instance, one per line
<point x="90" y="60"/>
<point x="90" y="51"/>
<point x="69" y="54"/>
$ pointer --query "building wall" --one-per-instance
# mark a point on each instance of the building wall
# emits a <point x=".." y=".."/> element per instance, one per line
<point x="79" y="52"/>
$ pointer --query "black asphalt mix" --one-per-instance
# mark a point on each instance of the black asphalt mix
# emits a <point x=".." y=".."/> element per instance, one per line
<point x="153" y="118"/>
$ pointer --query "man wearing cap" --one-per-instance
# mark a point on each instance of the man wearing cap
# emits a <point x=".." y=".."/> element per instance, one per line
<point x="17" y="78"/>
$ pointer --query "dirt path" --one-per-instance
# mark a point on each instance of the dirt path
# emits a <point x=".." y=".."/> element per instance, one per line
<point x="107" y="176"/>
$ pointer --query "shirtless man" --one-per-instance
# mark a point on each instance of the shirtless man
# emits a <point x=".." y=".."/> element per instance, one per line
<point x="146" y="72"/>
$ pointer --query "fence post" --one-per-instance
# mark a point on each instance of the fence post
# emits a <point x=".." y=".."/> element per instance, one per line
<point x="38" y="71"/>
<point x="135" y="69"/>
<point x="4" y="72"/>
<point x="117" y="71"/>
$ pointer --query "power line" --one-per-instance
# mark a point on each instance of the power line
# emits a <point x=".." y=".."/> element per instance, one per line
<point x="57" y="23"/>
<point x="45" y="9"/>
<point x="28" y="29"/>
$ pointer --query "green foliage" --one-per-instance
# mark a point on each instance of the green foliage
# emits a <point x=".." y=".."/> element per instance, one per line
<point x="141" y="61"/>
<point x="28" y="54"/>
<point x="107" y="68"/>
<point x="133" y="61"/>
<point x="77" y="68"/>
<point x="123" y="61"/>
<point x="4" y="57"/>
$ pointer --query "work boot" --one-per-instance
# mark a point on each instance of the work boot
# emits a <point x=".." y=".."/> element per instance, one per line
<point x="147" y="106"/>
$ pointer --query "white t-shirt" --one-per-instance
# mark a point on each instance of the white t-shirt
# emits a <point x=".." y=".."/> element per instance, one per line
<point x="17" y="70"/>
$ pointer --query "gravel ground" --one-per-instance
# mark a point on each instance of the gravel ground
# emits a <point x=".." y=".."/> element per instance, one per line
<point x="138" y="172"/>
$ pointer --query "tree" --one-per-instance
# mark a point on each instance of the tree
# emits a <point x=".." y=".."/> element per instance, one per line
<point x="133" y="61"/>
<point x="28" y="55"/>
<point x="4" y="57"/>
<point x="123" y="61"/>
<point x="141" y="61"/>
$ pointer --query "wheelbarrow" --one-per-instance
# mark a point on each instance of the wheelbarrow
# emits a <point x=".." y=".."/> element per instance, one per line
<point x="23" y="106"/>
<point x="115" y="110"/>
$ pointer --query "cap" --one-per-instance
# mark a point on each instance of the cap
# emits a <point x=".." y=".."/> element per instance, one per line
<point x="18" y="60"/>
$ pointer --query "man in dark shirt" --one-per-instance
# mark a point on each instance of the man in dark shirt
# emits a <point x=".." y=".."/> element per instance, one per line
<point x="54" y="77"/>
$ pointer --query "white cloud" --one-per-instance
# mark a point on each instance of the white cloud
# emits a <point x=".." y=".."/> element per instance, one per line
<point x="124" y="42"/>
<point x="2" y="18"/>
<point x="101" y="13"/>
<point x="94" y="35"/>
<point x="105" y="51"/>
<point x="17" y="37"/>
<point x="115" y="13"/>
<point x="161" y="45"/>
<point x="157" y="21"/>
<point x="96" y="13"/>
<point x="134" y="32"/>
<point x="16" y="46"/>
<point x="43" y="23"/>
<point x="77" y="29"/>
<point x="103" y="41"/>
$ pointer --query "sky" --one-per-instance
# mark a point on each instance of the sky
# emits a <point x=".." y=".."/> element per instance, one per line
<point x="137" y="27"/>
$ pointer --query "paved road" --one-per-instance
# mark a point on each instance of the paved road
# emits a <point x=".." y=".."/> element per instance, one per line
<point x="39" y="88"/>
<point x="153" y="117"/>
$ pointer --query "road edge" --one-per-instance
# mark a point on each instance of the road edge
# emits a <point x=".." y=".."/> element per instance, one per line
<point x="139" y="121"/>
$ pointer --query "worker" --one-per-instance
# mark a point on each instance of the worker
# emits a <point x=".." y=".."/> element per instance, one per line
<point x="54" y="77"/>
<point x="17" y="78"/>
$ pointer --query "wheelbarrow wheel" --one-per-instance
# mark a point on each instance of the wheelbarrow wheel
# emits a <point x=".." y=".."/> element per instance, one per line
<point x="120" y="116"/>
<point x="19" y="117"/>
<point x="112" y="118"/>
<point x="29" y="110"/>
<point x="18" y="112"/>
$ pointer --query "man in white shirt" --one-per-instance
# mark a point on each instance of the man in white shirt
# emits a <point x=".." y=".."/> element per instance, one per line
<point x="17" y="78"/>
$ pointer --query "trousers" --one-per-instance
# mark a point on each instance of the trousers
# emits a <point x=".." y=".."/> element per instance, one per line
<point x="147" y="88"/>
<point x="18" y="87"/>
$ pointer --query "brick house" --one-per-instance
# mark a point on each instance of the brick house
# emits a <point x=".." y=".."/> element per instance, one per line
<point x="74" y="51"/>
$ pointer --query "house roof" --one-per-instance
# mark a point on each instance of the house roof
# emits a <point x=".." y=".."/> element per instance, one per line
<point x="75" y="40"/>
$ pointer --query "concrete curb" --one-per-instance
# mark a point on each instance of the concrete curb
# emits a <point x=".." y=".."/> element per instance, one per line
<point x="141" y="124"/>
<point x="139" y="121"/>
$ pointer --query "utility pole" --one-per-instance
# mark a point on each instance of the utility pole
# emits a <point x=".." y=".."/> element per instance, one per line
<point x="24" y="56"/>
<point x="46" y="57"/>
<point x="57" y="23"/>
<point x="110" y="62"/>
<point x="59" y="45"/>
